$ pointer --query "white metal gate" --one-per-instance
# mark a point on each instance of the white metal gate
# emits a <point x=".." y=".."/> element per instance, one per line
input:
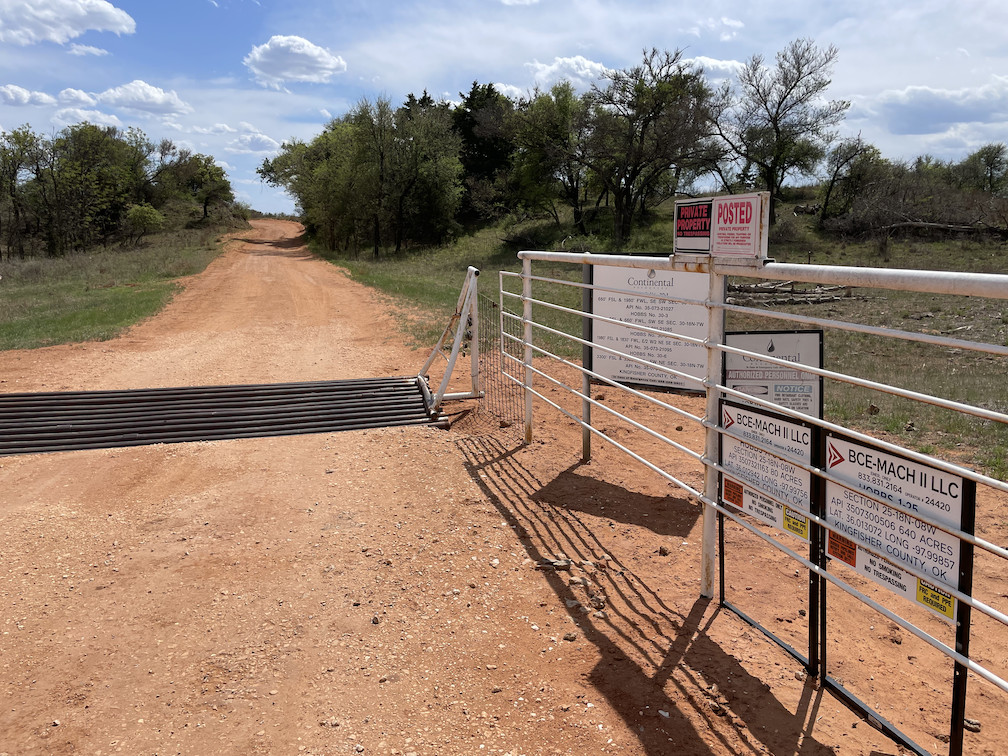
<point x="544" y="310"/>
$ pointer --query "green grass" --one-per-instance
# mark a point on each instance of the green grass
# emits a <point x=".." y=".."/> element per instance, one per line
<point x="95" y="296"/>
<point x="426" y="283"/>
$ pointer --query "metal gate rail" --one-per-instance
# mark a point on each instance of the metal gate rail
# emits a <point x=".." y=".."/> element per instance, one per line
<point x="61" y="421"/>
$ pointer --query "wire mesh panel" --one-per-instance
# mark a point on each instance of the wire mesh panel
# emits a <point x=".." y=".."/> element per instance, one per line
<point x="501" y="399"/>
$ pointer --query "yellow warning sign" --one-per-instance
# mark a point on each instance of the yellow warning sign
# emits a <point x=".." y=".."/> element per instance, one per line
<point x="935" y="598"/>
<point x="796" y="523"/>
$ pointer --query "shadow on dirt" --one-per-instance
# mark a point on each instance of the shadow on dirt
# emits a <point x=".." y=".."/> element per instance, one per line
<point x="291" y="247"/>
<point x="675" y="688"/>
<point x="663" y="515"/>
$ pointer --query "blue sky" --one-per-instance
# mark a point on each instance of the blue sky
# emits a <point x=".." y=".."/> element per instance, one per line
<point x="236" y="78"/>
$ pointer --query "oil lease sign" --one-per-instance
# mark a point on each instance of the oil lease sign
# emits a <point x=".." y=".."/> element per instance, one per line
<point x="759" y="479"/>
<point x="885" y="515"/>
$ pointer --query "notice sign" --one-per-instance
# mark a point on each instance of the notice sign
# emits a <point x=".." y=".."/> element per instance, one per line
<point x="644" y="297"/>
<point x="758" y="479"/>
<point x="789" y="387"/>
<point x="732" y="226"/>
<point x="764" y="508"/>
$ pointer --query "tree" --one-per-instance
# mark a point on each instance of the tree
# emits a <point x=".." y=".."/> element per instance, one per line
<point x="426" y="171"/>
<point x="482" y="120"/>
<point x="840" y="164"/>
<point x="985" y="170"/>
<point x="375" y="124"/>
<point x="550" y="131"/>
<point x="141" y="220"/>
<point x="647" y="133"/>
<point x="376" y="173"/>
<point x="776" y="120"/>
<point x="16" y="150"/>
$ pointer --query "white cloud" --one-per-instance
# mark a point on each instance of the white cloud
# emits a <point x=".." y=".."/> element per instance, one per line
<point x="725" y="28"/>
<point x="928" y="110"/>
<point x="730" y="30"/>
<point x="12" y="94"/>
<point x="28" y="22"/>
<point x="82" y="50"/>
<point x="519" y="2"/>
<point x="717" y="70"/>
<point x="68" y="116"/>
<point x="140" y="96"/>
<point x="286" y="58"/>
<point x="77" y="97"/>
<point x="256" y="143"/>
<point x="510" y="91"/>
<point x="217" y="128"/>
<point x="578" y="70"/>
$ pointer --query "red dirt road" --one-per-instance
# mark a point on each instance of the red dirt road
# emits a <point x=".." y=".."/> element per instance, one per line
<point x="381" y="592"/>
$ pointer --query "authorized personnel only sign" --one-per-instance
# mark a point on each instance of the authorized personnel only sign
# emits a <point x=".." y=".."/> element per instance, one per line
<point x="760" y="478"/>
<point x="886" y="516"/>
<point x="786" y="385"/>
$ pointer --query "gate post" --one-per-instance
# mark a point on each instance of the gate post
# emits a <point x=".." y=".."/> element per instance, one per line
<point x="587" y="278"/>
<point x="715" y="335"/>
<point x="527" y="338"/>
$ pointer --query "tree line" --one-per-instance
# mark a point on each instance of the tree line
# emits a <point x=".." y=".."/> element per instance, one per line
<point x="381" y="177"/>
<point x="90" y="185"/>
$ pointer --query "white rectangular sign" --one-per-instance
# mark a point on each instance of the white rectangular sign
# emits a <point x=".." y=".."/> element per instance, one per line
<point x="762" y="461"/>
<point x="893" y="533"/>
<point x="789" y="387"/>
<point x="886" y="505"/>
<point x="787" y="438"/>
<point x="643" y="297"/>
<point x="903" y="484"/>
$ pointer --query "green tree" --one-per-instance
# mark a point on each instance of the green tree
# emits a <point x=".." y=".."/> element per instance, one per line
<point x="482" y="120"/>
<point x="985" y="170"/>
<point x="141" y="220"/>
<point x="16" y="150"/>
<point x="376" y="173"/>
<point x="375" y="126"/>
<point x="840" y="181"/>
<point x="426" y="171"/>
<point x="776" y="119"/>
<point x="199" y="179"/>
<point x="550" y="132"/>
<point x="647" y="134"/>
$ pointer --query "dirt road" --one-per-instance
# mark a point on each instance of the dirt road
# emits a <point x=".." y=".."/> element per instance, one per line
<point x="376" y="592"/>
